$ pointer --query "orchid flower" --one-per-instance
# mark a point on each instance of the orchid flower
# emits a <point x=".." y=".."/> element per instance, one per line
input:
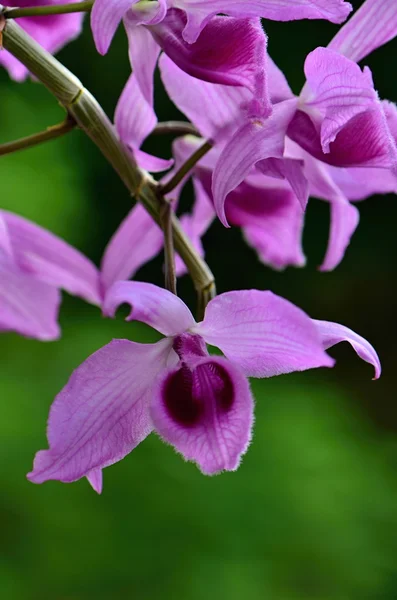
<point x="187" y="30"/>
<point x="52" y="32"/>
<point x="34" y="266"/>
<point x="338" y="119"/>
<point x="200" y="404"/>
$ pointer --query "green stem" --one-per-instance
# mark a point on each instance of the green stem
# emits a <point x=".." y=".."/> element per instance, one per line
<point x="175" y="127"/>
<point x="51" y="133"/>
<point x="42" y="11"/>
<point x="91" y="119"/>
<point x="169" y="252"/>
<point x="186" y="167"/>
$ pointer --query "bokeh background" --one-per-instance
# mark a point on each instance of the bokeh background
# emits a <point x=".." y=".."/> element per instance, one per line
<point x="312" y="512"/>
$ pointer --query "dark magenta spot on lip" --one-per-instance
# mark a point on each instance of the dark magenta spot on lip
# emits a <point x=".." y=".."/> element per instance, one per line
<point x="188" y="394"/>
<point x="178" y="396"/>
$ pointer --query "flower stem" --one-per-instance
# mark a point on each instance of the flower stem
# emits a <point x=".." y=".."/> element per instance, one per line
<point x="51" y="133"/>
<point x="186" y="167"/>
<point x="169" y="253"/>
<point x="176" y="127"/>
<point x="91" y="119"/>
<point x="42" y="11"/>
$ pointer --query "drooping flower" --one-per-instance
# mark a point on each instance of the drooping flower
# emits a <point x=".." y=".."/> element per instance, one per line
<point x="200" y="404"/>
<point x="52" y="32"/>
<point x="34" y="266"/>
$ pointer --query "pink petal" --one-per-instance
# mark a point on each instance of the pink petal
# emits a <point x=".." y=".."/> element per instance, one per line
<point x="137" y="240"/>
<point x="344" y="216"/>
<point x="52" y="260"/>
<point x="262" y="333"/>
<point x="134" y="118"/>
<point x="5" y="241"/>
<point x="271" y="220"/>
<point x="95" y="480"/>
<point x="338" y="89"/>
<point x="151" y="163"/>
<point x="143" y="52"/>
<point x="256" y="140"/>
<point x="290" y="169"/>
<point x="28" y="306"/>
<point x="206" y="413"/>
<point x="199" y="12"/>
<point x="365" y="141"/>
<point x="102" y="413"/>
<point x="344" y="221"/>
<point x="216" y="110"/>
<point x="333" y="333"/>
<point x="151" y="305"/>
<point x="105" y="18"/>
<point x="371" y="26"/>
<point x="228" y="51"/>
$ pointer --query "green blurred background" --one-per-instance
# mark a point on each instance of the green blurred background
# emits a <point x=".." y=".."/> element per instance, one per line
<point x="312" y="512"/>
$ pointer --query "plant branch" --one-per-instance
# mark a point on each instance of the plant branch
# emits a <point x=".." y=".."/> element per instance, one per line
<point x="42" y="11"/>
<point x="186" y="167"/>
<point x="176" y="127"/>
<point x="51" y="133"/>
<point x="169" y="252"/>
<point x="91" y="118"/>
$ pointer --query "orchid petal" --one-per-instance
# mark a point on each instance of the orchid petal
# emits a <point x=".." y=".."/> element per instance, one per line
<point x="143" y="53"/>
<point x="102" y="413"/>
<point x="239" y="51"/>
<point x="134" y="118"/>
<point x="5" y="241"/>
<point x="206" y="413"/>
<point x="291" y="170"/>
<point x="344" y="221"/>
<point x="150" y="304"/>
<point x="95" y="479"/>
<point x="215" y="110"/>
<point x="371" y="26"/>
<point x="338" y="89"/>
<point x="271" y="220"/>
<point x="52" y="260"/>
<point x="344" y="216"/>
<point x="199" y="12"/>
<point x="106" y="16"/>
<point x="256" y="140"/>
<point x="137" y="240"/>
<point x="333" y="333"/>
<point x="365" y="141"/>
<point x="151" y="163"/>
<point x="27" y="306"/>
<point x="264" y="334"/>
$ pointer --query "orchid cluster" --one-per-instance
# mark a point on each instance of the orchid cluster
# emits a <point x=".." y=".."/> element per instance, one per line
<point x="255" y="153"/>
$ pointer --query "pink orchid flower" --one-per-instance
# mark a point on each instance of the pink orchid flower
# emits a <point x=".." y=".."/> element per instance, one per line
<point x="344" y="136"/>
<point x="52" y="32"/>
<point x="223" y="50"/>
<point x="34" y="266"/>
<point x="200" y="404"/>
